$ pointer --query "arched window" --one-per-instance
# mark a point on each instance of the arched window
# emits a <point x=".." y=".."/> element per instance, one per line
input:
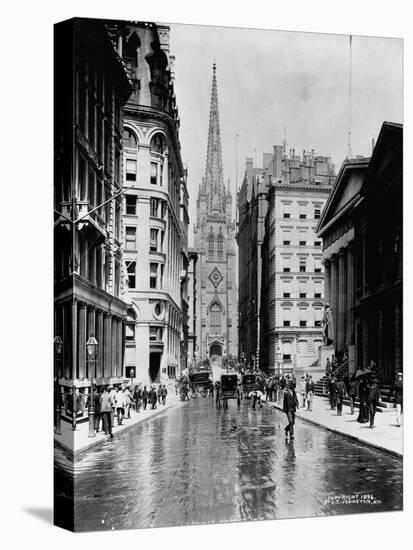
<point x="211" y="246"/>
<point x="215" y="313"/>
<point x="158" y="144"/>
<point x="220" y="246"/>
<point x="129" y="139"/>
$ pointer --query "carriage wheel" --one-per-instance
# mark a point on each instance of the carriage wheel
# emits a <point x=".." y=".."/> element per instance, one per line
<point x="193" y="394"/>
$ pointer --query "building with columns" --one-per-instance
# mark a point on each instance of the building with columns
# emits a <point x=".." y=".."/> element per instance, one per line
<point x="293" y="276"/>
<point x="361" y="228"/>
<point x="155" y="209"/>
<point x="91" y="87"/>
<point x="252" y="209"/>
<point x="214" y="241"/>
<point x="192" y="300"/>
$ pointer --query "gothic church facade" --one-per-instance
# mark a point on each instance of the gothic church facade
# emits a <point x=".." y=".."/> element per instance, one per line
<point x="214" y="236"/>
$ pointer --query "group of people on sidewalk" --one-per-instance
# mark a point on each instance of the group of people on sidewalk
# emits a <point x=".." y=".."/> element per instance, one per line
<point x="114" y="401"/>
<point x="367" y="390"/>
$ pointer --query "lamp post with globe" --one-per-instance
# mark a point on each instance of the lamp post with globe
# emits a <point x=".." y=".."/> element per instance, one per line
<point x="92" y="349"/>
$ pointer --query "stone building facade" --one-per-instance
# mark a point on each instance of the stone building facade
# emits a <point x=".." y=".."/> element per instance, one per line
<point x="214" y="241"/>
<point x="293" y="275"/>
<point x="155" y="213"/>
<point x="252" y="209"/>
<point x="361" y="228"/>
<point x="91" y="87"/>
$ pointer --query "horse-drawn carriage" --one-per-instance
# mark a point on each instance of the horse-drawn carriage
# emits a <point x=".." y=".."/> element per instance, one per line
<point x="227" y="388"/>
<point x="248" y="384"/>
<point x="200" y="383"/>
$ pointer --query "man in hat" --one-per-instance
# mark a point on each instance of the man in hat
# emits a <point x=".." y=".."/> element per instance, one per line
<point x="290" y="405"/>
<point x="373" y="398"/>
<point x="106" y="407"/>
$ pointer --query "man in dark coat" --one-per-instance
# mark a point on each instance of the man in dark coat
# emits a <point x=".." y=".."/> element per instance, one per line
<point x="309" y="392"/>
<point x="164" y="393"/>
<point x="352" y="393"/>
<point x="340" y="395"/>
<point x="106" y="407"/>
<point x="97" y="398"/>
<point x="137" y="397"/>
<point x="373" y="398"/>
<point x="153" y="398"/>
<point x="332" y="392"/>
<point x="145" y="396"/>
<point x="290" y="405"/>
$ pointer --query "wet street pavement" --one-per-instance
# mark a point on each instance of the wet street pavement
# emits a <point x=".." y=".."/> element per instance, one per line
<point x="196" y="464"/>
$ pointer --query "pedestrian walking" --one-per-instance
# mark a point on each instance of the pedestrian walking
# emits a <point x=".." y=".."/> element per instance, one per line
<point x="273" y="389"/>
<point x="281" y="388"/>
<point x="120" y="405"/>
<point x="96" y="399"/>
<point x="341" y="392"/>
<point x="159" y="394"/>
<point x="352" y="393"/>
<point x="145" y="397"/>
<point x="164" y="393"/>
<point x="373" y="398"/>
<point x="128" y="402"/>
<point x="302" y="391"/>
<point x="397" y="392"/>
<point x="332" y="392"/>
<point x="112" y="393"/>
<point x="290" y="405"/>
<point x="309" y="391"/>
<point x="106" y="407"/>
<point x="137" y="397"/>
<point x="153" y="398"/>
<point x="363" y="416"/>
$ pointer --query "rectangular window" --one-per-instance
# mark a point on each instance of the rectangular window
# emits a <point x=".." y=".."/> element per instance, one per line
<point x="155" y="334"/>
<point x="131" y="205"/>
<point x="303" y="294"/>
<point x="303" y="216"/>
<point x="286" y="356"/>
<point x="317" y="213"/>
<point x="154" y="173"/>
<point x="286" y="243"/>
<point x="153" y="246"/>
<point x="318" y="323"/>
<point x="117" y="166"/>
<point x="317" y="243"/>
<point x="130" y="238"/>
<point x="317" y="294"/>
<point x="153" y="275"/>
<point x="286" y="269"/>
<point x="286" y="294"/>
<point x="303" y="323"/>
<point x="154" y="207"/>
<point x="286" y="215"/>
<point x="129" y="332"/>
<point x="302" y="266"/>
<point x="131" y="170"/>
<point x="303" y="243"/>
<point x="131" y="269"/>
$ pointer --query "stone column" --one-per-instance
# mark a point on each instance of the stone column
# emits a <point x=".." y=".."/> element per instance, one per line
<point x="119" y="360"/>
<point x="342" y="299"/>
<point x="334" y="296"/>
<point x="114" y="348"/>
<point x="327" y="280"/>
<point x="101" y="342"/>
<point x="350" y="294"/>
<point x="91" y="322"/>
<point x="82" y="341"/>
<point x="107" y="350"/>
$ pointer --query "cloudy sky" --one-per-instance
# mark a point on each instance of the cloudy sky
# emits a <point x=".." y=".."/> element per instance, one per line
<point x="268" y="80"/>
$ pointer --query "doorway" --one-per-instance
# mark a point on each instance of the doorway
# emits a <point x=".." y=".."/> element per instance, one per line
<point x="154" y="368"/>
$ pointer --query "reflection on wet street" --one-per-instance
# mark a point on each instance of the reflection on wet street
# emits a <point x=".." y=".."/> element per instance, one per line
<point x="196" y="464"/>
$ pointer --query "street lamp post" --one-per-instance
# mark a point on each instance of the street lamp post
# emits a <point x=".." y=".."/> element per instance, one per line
<point x="91" y="348"/>
<point x="58" y="347"/>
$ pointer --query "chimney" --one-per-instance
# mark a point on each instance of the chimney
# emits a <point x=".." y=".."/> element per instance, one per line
<point x="277" y="161"/>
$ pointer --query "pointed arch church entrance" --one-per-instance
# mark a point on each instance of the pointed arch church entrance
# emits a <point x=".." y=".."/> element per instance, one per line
<point x="215" y="349"/>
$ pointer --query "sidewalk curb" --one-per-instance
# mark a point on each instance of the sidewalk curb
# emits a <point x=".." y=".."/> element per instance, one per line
<point x="334" y="430"/>
<point x="122" y="429"/>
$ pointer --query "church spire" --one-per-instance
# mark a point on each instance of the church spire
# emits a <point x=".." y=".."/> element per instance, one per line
<point x="214" y="178"/>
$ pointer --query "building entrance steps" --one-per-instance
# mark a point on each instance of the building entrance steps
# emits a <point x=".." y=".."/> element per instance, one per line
<point x="386" y="436"/>
<point x="78" y="440"/>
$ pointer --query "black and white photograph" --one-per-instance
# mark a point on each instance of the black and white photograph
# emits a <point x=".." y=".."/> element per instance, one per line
<point x="228" y="274"/>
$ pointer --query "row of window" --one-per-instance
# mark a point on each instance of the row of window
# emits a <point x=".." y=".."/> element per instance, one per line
<point x="302" y="243"/>
<point x="301" y="295"/>
<point x="156" y="272"/>
<point x="303" y="215"/>
<point x="156" y="239"/>
<point x="302" y="269"/>
<point x="287" y="323"/>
